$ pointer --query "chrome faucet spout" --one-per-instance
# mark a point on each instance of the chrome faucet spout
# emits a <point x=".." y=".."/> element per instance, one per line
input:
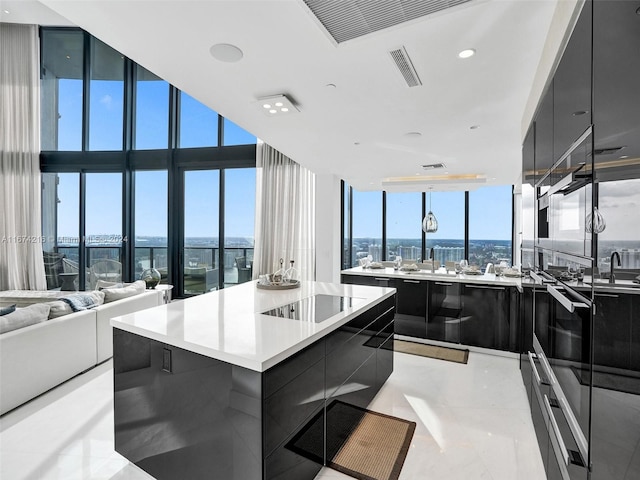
<point x="431" y="257"/>
<point x="612" y="276"/>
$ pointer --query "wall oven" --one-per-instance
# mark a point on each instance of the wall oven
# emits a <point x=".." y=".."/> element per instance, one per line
<point x="561" y="359"/>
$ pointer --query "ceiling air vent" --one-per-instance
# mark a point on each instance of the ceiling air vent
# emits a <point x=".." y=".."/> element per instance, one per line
<point x="403" y="62"/>
<point x="348" y="19"/>
<point x="433" y="166"/>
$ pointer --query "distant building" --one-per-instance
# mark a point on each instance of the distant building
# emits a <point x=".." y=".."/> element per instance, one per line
<point x="409" y="253"/>
<point x="376" y="252"/>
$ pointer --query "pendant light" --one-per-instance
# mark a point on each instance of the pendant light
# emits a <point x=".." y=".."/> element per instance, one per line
<point x="429" y="223"/>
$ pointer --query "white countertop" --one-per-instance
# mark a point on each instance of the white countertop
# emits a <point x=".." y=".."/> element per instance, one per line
<point x="227" y="325"/>
<point x="439" y="275"/>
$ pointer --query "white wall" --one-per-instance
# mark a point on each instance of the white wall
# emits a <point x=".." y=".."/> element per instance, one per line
<point x="327" y="228"/>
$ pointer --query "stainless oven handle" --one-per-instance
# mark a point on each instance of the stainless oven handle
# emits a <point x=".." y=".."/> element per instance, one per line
<point x="411" y="281"/>
<point x="564" y="301"/>
<point x="381" y="279"/>
<point x="443" y="284"/>
<point x="556" y="431"/>
<point x="574" y="426"/>
<point x="544" y="363"/>
<point x="534" y="370"/>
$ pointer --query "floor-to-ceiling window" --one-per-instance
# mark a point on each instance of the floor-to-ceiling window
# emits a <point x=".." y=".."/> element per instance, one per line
<point x="404" y="226"/>
<point x="491" y="225"/>
<point x="123" y="154"/>
<point x="486" y="214"/>
<point x="366" y="210"/>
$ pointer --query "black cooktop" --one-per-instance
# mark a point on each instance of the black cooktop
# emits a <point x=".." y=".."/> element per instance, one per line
<point x="315" y="309"/>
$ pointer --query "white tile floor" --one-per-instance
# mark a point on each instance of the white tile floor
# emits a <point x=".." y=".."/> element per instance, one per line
<point x="473" y="423"/>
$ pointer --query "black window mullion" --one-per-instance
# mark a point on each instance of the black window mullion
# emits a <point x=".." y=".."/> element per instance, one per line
<point x="383" y="254"/>
<point x="174" y="115"/>
<point x="128" y="243"/>
<point x="130" y="93"/>
<point x="82" y="251"/>
<point x="466" y="224"/>
<point x="86" y="90"/>
<point x="220" y="130"/>
<point x="423" y="234"/>
<point x="350" y="226"/>
<point x="221" y="230"/>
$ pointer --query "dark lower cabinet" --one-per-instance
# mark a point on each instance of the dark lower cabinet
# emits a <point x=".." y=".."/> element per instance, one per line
<point x="411" y="307"/>
<point x="179" y="414"/>
<point x="485" y="319"/>
<point x="612" y="330"/>
<point x="445" y="307"/>
<point x="635" y="333"/>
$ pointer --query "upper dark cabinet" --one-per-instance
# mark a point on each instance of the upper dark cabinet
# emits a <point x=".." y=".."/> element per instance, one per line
<point x="616" y="96"/>
<point x="544" y="134"/>
<point x="572" y="86"/>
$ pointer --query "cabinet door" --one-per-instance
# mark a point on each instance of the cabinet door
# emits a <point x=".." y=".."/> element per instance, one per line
<point x="635" y="333"/>
<point x="612" y="331"/>
<point x="484" y="321"/>
<point x="572" y="87"/>
<point x="616" y="96"/>
<point x="544" y="134"/>
<point x="411" y="308"/>
<point x="443" y="319"/>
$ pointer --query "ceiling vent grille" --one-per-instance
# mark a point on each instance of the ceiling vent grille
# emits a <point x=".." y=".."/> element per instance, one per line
<point x="403" y="62"/>
<point x="433" y="166"/>
<point x="349" y="19"/>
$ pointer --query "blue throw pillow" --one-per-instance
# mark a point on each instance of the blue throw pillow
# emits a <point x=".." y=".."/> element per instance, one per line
<point x="7" y="310"/>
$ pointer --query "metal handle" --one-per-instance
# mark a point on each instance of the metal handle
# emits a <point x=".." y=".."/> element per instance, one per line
<point x="411" y="281"/>
<point x="484" y="287"/>
<point x="556" y="431"/>
<point x="544" y="363"/>
<point x="574" y="426"/>
<point x="564" y="301"/>
<point x="381" y="279"/>
<point x="443" y="284"/>
<point x="609" y="295"/>
<point x="536" y="278"/>
<point x="534" y="369"/>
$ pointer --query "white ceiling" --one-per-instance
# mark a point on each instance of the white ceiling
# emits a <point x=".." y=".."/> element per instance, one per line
<point x="357" y="130"/>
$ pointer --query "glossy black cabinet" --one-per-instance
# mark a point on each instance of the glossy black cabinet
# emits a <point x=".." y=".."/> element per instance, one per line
<point x="485" y="316"/>
<point x="368" y="280"/>
<point x="544" y="134"/>
<point x="612" y="330"/>
<point x="572" y="87"/>
<point x="635" y="334"/>
<point x="616" y="96"/>
<point x="205" y="418"/>
<point x="445" y="307"/>
<point x="411" y="308"/>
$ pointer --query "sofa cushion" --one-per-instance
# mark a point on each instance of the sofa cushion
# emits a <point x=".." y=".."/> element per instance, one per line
<point x="117" y="293"/>
<point x="84" y="300"/>
<point x="6" y="310"/>
<point x="23" y="317"/>
<point x="59" y="309"/>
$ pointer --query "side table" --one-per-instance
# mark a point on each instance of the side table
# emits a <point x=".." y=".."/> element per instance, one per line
<point x="166" y="292"/>
<point x="68" y="281"/>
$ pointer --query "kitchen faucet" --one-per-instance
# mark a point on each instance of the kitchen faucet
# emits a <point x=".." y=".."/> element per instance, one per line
<point x="431" y="255"/>
<point x="612" y="277"/>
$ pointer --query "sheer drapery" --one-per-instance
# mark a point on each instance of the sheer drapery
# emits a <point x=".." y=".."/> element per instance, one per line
<point x="285" y="214"/>
<point x="21" y="260"/>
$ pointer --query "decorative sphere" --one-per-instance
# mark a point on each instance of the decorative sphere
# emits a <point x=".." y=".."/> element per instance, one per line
<point x="151" y="277"/>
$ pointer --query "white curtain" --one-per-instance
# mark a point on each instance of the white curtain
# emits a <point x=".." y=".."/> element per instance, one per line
<point x="21" y="261"/>
<point x="285" y="214"/>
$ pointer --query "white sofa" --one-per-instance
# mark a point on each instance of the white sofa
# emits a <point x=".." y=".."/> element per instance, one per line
<point x="36" y="358"/>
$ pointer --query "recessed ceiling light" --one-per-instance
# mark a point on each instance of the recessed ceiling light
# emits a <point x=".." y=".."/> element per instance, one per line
<point x="6" y="11"/>
<point x="276" y="105"/>
<point x="624" y="156"/>
<point x="330" y="85"/>
<point x="580" y="112"/>
<point x="469" y="52"/>
<point x="474" y="127"/>
<point x="413" y="134"/>
<point x="68" y="56"/>
<point x="356" y="143"/>
<point x="226" y="52"/>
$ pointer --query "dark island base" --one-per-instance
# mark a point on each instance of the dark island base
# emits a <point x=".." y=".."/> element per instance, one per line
<point x="182" y="415"/>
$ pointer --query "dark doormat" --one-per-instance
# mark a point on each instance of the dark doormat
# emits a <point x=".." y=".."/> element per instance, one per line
<point x="610" y="381"/>
<point x="360" y="443"/>
<point x="432" y="351"/>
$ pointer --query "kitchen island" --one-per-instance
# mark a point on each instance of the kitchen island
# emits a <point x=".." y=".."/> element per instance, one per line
<point x="225" y="385"/>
